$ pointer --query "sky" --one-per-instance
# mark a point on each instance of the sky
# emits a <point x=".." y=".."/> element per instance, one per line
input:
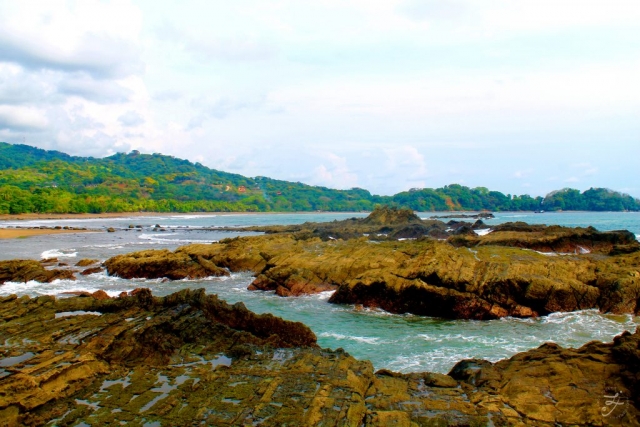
<point x="522" y="97"/>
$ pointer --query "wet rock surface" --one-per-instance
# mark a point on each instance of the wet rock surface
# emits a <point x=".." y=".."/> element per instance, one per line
<point x="423" y="277"/>
<point x="191" y="359"/>
<point x="155" y="264"/>
<point x="480" y="215"/>
<point x="27" y="270"/>
<point x="384" y="223"/>
<point x="463" y="276"/>
<point x="553" y="239"/>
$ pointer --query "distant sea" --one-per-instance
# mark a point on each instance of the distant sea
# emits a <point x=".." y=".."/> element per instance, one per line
<point x="404" y="343"/>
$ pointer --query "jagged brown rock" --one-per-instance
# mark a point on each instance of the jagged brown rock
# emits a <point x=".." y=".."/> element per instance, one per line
<point x="553" y="239"/>
<point x="191" y="359"/>
<point x="91" y="270"/>
<point x="155" y="264"/>
<point x="422" y="277"/>
<point x="99" y="294"/>
<point x="467" y="276"/>
<point x="384" y="223"/>
<point x="25" y="270"/>
<point x="86" y="262"/>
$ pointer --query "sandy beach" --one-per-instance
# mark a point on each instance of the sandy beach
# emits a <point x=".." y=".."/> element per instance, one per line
<point x="14" y="233"/>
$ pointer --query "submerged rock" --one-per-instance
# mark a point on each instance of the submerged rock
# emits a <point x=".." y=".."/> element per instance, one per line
<point x="191" y="359"/>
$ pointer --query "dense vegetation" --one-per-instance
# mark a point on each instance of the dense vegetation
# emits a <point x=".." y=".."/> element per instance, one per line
<point x="35" y="180"/>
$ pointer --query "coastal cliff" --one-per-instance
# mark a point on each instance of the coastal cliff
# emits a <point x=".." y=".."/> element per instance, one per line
<point x="190" y="358"/>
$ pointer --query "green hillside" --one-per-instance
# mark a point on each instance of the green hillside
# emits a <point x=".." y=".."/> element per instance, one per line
<point x="36" y="180"/>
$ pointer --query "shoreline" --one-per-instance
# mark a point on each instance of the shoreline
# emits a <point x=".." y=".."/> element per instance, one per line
<point x="43" y="216"/>
<point x="22" y="233"/>
<point x="46" y="216"/>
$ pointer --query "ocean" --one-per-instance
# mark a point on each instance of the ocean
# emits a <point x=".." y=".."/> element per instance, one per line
<point x="404" y="343"/>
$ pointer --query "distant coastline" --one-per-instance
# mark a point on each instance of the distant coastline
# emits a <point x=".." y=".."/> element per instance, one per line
<point x="48" y="216"/>
<point x="35" y="180"/>
<point x="64" y="216"/>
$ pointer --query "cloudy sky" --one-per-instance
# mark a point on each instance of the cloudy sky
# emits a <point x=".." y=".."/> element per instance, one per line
<point x="517" y="96"/>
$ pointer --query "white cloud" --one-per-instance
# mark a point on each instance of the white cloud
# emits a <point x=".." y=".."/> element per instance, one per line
<point x="336" y="175"/>
<point x="406" y="160"/>
<point x="91" y="36"/>
<point x="101" y="92"/>
<point x="383" y="95"/>
<point x="22" y="118"/>
<point x="131" y="119"/>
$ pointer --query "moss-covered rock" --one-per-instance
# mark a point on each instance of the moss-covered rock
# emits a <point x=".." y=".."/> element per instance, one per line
<point x="154" y="264"/>
<point x="25" y="270"/>
<point x="191" y="359"/>
<point x="424" y="277"/>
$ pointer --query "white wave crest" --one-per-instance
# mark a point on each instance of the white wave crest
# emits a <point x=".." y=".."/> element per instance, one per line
<point x="59" y="253"/>
<point x="365" y="340"/>
<point x="192" y="216"/>
<point x="158" y="239"/>
<point x="59" y="288"/>
<point x="483" y="232"/>
<point x="321" y="296"/>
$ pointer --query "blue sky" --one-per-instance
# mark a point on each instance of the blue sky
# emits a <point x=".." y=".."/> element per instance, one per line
<point x="520" y="97"/>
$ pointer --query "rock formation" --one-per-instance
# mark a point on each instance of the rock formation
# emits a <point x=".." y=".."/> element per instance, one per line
<point x="26" y="270"/>
<point x="553" y="239"/>
<point x="384" y="223"/>
<point x="155" y="264"/>
<point x="191" y="359"/>
<point x="424" y="277"/>
<point x="465" y="276"/>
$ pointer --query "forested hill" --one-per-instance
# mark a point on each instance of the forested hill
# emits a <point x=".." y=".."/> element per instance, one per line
<point x="36" y="180"/>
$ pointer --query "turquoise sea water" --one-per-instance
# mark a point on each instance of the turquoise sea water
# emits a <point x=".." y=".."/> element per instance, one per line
<point x="404" y="343"/>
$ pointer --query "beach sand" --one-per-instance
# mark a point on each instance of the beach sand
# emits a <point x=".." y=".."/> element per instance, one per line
<point x="14" y="233"/>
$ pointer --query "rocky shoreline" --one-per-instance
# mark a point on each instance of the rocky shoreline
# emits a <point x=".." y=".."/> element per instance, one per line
<point x="448" y="271"/>
<point x="189" y="358"/>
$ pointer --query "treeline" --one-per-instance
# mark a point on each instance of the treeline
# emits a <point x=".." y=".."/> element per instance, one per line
<point x="457" y="197"/>
<point x="594" y="199"/>
<point x="38" y="181"/>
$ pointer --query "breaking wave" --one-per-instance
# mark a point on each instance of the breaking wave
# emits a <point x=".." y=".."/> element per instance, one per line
<point x="59" y="253"/>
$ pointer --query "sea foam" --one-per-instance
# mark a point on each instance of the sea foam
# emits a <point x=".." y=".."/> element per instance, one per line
<point x="59" y="253"/>
<point x="483" y="232"/>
